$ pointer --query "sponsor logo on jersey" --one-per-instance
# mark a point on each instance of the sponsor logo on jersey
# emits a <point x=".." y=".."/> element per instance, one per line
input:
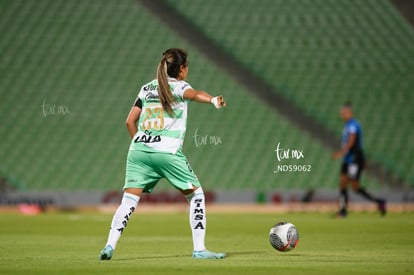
<point x="151" y="97"/>
<point x="150" y="87"/>
<point x="147" y="138"/>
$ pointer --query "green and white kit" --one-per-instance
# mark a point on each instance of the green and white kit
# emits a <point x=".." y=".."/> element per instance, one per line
<point x="156" y="149"/>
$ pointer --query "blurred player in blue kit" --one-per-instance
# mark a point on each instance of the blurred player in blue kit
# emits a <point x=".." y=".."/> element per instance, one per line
<point x="353" y="162"/>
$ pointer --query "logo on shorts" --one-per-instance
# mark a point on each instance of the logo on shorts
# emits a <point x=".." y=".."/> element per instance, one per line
<point x="188" y="166"/>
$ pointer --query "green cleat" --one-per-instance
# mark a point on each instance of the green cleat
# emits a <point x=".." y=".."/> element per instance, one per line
<point x="106" y="253"/>
<point x="208" y="255"/>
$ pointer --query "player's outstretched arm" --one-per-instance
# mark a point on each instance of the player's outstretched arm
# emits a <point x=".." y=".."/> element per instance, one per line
<point x="203" y="97"/>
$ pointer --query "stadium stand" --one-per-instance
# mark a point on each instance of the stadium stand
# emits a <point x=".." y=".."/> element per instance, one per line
<point x="321" y="53"/>
<point x="70" y="71"/>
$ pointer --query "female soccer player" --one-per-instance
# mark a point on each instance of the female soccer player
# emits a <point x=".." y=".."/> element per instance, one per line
<point x="156" y="149"/>
<point x="353" y="162"/>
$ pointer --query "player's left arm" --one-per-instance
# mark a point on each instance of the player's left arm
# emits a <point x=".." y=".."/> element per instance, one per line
<point x="131" y="121"/>
<point x="204" y="97"/>
<point x="346" y="148"/>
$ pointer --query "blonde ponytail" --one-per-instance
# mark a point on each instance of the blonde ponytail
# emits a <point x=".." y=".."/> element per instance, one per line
<point x="164" y="91"/>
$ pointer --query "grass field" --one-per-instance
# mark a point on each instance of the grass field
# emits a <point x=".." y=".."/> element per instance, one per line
<point x="69" y="243"/>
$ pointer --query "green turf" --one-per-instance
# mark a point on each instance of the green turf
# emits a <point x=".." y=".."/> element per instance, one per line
<point x="69" y="243"/>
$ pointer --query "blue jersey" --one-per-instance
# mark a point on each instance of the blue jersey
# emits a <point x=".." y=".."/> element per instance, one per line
<point x="355" y="153"/>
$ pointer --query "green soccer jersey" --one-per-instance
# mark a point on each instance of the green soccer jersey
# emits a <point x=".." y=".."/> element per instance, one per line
<point x="157" y="130"/>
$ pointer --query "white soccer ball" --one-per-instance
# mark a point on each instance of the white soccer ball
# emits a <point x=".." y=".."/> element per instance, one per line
<point x="283" y="236"/>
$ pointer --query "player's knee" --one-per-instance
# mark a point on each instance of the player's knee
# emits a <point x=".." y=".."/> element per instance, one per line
<point x="190" y="193"/>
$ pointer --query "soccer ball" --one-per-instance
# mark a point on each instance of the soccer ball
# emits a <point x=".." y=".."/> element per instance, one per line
<point x="283" y="236"/>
